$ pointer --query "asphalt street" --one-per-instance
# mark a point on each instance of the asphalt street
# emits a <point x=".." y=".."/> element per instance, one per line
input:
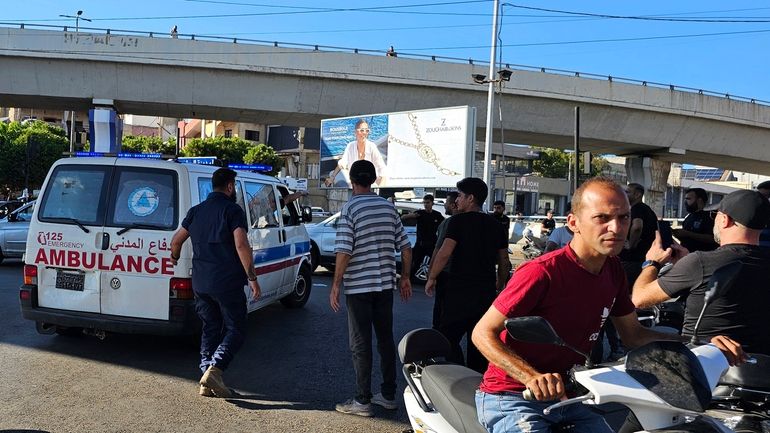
<point x="293" y="368"/>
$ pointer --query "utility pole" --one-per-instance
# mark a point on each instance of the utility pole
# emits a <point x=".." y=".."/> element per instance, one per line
<point x="490" y="108"/>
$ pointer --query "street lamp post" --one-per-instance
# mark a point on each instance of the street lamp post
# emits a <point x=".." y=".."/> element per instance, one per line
<point x="77" y="18"/>
<point x="490" y="107"/>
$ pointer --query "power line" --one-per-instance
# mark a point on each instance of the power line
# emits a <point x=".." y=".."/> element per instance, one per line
<point x="643" y="18"/>
<point x="592" y="41"/>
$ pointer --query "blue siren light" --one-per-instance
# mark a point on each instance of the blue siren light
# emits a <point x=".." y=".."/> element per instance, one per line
<point x="202" y="160"/>
<point x="253" y="167"/>
<point x="119" y="155"/>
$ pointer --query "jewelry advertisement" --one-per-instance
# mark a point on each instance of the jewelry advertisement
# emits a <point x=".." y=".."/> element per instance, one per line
<point x="421" y="148"/>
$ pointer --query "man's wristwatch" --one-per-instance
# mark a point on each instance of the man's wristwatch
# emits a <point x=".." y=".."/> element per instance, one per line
<point x="647" y="263"/>
<point x="174" y="258"/>
<point x="252" y="279"/>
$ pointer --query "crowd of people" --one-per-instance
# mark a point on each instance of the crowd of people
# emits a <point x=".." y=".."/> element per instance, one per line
<point x="609" y="261"/>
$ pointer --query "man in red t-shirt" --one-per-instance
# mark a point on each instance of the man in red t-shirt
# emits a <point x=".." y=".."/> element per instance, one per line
<point x="575" y="288"/>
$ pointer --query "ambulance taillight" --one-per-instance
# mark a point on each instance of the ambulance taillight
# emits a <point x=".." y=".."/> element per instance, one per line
<point x="30" y="275"/>
<point x="181" y="288"/>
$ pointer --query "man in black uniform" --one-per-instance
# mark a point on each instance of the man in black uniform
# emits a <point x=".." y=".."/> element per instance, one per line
<point x="427" y="225"/>
<point x="644" y="224"/>
<point x="498" y="212"/>
<point x="476" y="244"/>
<point x="221" y="266"/>
<point x="697" y="232"/>
<point x="742" y="312"/>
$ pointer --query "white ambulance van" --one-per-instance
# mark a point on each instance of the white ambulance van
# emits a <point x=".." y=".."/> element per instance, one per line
<point x="99" y="245"/>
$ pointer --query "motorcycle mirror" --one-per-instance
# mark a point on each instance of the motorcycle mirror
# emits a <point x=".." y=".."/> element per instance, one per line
<point x="535" y="329"/>
<point x="720" y="283"/>
<point x="532" y="329"/>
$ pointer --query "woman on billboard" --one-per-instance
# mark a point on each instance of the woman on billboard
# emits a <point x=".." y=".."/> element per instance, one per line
<point x="360" y="148"/>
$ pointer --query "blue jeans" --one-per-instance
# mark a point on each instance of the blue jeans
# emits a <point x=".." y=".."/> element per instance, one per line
<point x="509" y="413"/>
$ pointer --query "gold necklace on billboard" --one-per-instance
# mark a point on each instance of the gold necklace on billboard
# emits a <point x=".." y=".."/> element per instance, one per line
<point x="426" y="152"/>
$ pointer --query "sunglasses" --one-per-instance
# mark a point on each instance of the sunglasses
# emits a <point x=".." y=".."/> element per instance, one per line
<point x="362" y="130"/>
<point x="713" y="214"/>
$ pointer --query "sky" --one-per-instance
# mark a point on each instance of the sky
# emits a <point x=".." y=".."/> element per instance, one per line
<point x="712" y="45"/>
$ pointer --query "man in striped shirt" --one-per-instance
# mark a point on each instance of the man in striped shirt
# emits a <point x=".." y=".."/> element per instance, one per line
<point x="369" y="231"/>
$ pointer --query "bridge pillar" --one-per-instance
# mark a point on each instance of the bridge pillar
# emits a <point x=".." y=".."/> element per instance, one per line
<point x="105" y="130"/>
<point x="652" y="174"/>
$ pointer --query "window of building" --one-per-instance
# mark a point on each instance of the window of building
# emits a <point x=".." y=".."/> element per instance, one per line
<point x="228" y="133"/>
<point x="252" y="135"/>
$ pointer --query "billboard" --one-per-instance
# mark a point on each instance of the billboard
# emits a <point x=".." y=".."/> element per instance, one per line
<point x="421" y="148"/>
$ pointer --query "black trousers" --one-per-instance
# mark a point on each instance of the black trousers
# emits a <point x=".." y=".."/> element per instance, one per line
<point x="367" y="311"/>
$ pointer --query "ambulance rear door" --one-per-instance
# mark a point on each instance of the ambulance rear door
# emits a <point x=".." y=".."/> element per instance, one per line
<point x="65" y="236"/>
<point x="142" y="215"/>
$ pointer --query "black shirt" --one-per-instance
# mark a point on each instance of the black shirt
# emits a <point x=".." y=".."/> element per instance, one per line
<point x="427" y="224"/>
<point x="649" y="227"/>
<point x="742" y="313"/>
<point x="216" y="265"/>
<point x="699" y="222"/>
<point x="505" y="221"/>
<point x="548" y="225"/>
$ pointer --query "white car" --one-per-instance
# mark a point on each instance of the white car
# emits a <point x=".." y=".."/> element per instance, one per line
<point x="13" y="232"/>
<point x="322" y="237"/>
<point x="319" y="212"/>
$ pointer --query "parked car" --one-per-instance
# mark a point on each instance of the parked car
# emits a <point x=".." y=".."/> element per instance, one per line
<point x="9" y="206"/>
<point x="13" y="232"/>
<point x="319" y="212"/>
<point x="322" y="237"/>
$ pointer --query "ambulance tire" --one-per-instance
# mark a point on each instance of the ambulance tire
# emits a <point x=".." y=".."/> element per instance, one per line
<point x="301" y="293"/>
<point x="315" y="256"/>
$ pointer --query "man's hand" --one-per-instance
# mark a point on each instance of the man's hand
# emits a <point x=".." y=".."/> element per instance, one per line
<point x="430" y="286"/>
<point x="406" y="288"/>
<point x="670" y="254"/>
<point x="546" y="387"/>
<point x="730" y="348"/>
<point x="334" y="298"/>
<point x="256" y="291"/>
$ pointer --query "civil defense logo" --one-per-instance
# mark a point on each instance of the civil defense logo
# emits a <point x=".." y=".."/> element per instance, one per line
<point x="143" y="201"/>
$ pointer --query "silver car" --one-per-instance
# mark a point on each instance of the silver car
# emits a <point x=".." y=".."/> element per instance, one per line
<point x="13" y="232"/>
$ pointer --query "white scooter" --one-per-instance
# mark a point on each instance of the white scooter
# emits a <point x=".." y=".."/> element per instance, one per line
<point x="667" y="385"/>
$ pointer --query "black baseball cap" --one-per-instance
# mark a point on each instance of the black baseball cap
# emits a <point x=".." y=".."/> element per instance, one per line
<point x="764" y="185"/>
<point x="749" y="208"/>
<point x="363" y="172"/>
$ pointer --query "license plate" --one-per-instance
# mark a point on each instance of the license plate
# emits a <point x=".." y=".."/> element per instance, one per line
<point x="70" y="281"/>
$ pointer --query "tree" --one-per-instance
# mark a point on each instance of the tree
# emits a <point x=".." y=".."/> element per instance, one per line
<point x="555" y="163"/>
<point x="264" y="154"/>
<point x="234" y="150"/>
<point x="144" y="144"/>
<point x="45" y="144"/>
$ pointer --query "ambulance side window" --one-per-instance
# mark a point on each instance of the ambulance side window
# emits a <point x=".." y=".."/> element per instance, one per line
<point x="260" y="199"/>
<point x="144" y="196"/>
<point x="204" y="189"/>
<point x="289" y="211"/>
<point x="76" y="192"/>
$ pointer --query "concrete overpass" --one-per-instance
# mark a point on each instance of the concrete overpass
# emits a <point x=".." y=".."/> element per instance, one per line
<point x="278" y="85"/>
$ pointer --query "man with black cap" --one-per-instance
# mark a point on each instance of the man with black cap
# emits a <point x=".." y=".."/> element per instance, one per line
<point x="742" y="311"/>
<point x="369" y="232"/>
<point x="764" y="237"/>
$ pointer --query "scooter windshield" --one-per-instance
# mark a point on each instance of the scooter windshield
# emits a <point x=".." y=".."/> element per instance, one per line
<point x="672" y="372"/>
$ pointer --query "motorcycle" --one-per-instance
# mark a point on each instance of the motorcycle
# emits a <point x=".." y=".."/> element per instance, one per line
<point x="667" y="385"/>
<point x="531" y="248"/>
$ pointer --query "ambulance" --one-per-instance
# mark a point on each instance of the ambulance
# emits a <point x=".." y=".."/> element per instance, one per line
<point x="98" y="255"/>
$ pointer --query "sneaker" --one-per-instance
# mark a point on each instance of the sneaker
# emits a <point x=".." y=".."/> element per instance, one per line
<point x="212" y="379"/>
<point x="380" y="400"/>
<point x="353" y="407"/>
<point x="205" y="391"/>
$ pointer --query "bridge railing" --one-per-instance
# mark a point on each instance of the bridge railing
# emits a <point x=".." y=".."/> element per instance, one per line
<point x="435" y="58"/>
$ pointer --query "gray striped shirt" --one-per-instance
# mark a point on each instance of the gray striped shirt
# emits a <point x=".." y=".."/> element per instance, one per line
<point x="369" y="230"/>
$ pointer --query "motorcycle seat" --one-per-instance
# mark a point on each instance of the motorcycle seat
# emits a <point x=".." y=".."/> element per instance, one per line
<point x="452" y="388"/>
<point x="753" y="376"/>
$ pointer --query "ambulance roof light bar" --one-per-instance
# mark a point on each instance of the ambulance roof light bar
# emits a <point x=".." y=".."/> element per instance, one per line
<point x="116" y="155"/>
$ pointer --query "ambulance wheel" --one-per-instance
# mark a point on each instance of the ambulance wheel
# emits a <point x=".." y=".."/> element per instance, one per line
<point x="301" y="293"/>
<point x="315" y="256"/>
